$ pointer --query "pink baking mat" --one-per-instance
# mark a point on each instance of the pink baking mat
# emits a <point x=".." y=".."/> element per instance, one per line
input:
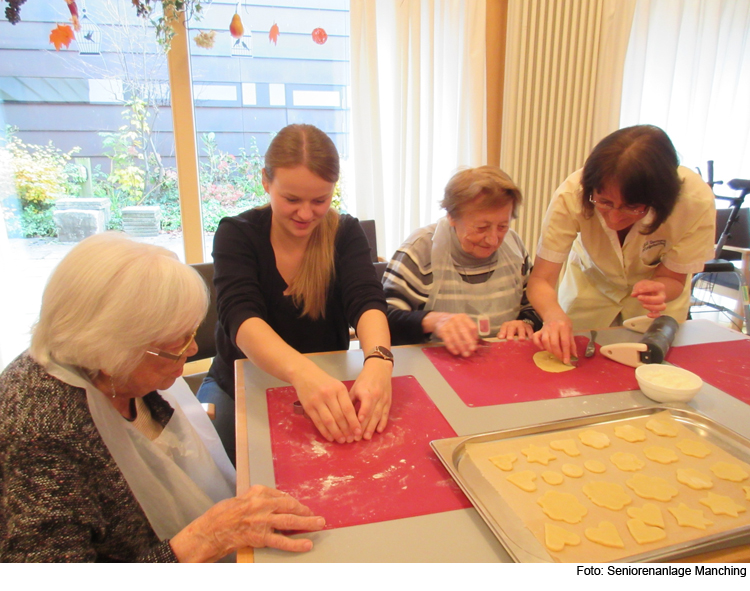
<point x="725" y="366"/>
<point x="505" y="372"/>
<point x="392" y="476"/>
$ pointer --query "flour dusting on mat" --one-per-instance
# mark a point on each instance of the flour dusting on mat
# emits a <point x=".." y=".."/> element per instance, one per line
<point x="332" y="481"/>
<point x="570" y="392"/>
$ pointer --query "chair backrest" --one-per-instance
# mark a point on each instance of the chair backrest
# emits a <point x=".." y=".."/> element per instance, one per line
<point x="740" y="232"/>
<point x="205" y="338"/>
<point x="368" y="226"/>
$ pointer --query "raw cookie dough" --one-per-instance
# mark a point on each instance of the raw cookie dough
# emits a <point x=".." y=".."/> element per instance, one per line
<point x="649" y="514"/>
<point x="662" y="428"/>
<point x="595" y="466"/>
<point x="696" y="449"/>
<point x="540" y="454"/>
<point x="721" y="505"/>
<point x="565" y="445"/>
<point x="504" y="461"/>
<point x="552" y="477"/>
<point x="727" y="471"/>
<point x="645" y="534"/>
<point x="575" y="471"/>
<point x="606" y="535"/>
<point x="595" y="439"/>
<point x="745" y="488"/>
<point x="630" y="433"/>
<point x="694" y="479"/>
<point x="627" y="462"/>
<point x="556" y="538"/>
<point x="687" y="517"/>
<point x="562" y="506"/>
<point x="662" y="455"/>
<point x="606" y="494"/>
<point x="652" y="487"/>
<point x="546" y="361"/>
<point x="523" y="480"/>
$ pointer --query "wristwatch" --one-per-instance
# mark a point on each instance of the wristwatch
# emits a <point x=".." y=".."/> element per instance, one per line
<point x="379" y="352"/>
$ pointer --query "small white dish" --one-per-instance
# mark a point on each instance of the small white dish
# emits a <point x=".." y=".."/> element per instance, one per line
<point x="667" y="383"/>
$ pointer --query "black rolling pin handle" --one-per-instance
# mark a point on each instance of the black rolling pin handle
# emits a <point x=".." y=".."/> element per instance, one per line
<point x="658" y="338"/>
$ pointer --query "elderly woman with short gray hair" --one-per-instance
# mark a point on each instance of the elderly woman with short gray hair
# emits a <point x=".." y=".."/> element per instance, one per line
<point x="465" y="276"/>
<point x="105" y="454"/>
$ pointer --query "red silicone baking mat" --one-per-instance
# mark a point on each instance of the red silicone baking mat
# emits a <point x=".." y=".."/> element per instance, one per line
<point x="505" y="372"/>
<point x="392" y="476"/>
<point x="725" y="366"/>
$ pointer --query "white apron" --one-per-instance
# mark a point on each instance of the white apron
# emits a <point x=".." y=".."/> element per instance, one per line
<point x="498" y="299"/>
<point x="178" y="476"/>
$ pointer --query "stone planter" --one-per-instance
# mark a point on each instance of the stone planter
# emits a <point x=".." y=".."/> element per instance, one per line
<point x="79" y="218"/>
<point x="141" y="220"/>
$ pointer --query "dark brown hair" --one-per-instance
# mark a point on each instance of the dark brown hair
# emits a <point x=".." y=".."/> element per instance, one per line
<point x="306" y="145"/>
<point x="642" y="162"/>
<point x="480" y="188"/>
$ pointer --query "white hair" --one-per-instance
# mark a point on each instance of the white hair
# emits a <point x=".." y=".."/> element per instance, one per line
<point x="111" y="298"/>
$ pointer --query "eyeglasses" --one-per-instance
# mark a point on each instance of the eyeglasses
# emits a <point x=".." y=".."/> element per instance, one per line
<point x="626" y="209"/>
<point x="173" y="356"/>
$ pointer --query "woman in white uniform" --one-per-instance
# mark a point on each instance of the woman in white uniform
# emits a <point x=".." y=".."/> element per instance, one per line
<point x="633" y="226"/>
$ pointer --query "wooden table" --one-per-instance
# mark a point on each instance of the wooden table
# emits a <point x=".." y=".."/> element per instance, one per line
<point x="461" y="535"/>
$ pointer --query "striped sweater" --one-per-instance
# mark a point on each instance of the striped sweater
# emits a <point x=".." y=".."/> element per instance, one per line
<point x="408" y="282"/>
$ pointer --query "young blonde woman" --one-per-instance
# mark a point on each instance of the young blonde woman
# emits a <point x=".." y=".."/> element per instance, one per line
<point x="291" y="278"/>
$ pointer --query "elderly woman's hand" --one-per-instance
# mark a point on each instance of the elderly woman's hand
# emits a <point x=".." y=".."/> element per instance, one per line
<point x="373" y="391"/>
<point x="253" y="519"/>
<point x="652" y="295"/>
<point x="457" y="331"/>
<point x="513" y="328"/>
<point x="328" y="404"/>
<point x="556" y="336"/>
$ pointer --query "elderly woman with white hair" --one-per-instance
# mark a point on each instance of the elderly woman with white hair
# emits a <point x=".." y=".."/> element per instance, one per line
<point x="105" y="454"/>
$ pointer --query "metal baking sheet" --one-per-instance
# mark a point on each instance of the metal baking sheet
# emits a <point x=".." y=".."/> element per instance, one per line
<point x="520" y="542"/>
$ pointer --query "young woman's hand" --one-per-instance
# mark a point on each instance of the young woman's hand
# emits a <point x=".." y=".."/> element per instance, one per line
<point x="372" y="390"/>
<point x="328" y="404"/>
<point x="556" y="336"/>
<point x="652" y="295"/>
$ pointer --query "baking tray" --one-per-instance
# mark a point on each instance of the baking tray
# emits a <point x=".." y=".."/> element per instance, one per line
<point x="520" y="542"/>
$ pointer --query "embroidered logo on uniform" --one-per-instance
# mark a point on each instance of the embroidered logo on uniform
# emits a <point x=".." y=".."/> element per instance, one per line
<point x="649" y="244"/>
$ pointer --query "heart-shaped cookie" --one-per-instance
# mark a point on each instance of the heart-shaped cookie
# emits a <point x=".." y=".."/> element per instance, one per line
<point x="606" y="535"/>
<point x="644" y="534"/>
<point x="524" y="480"/>
<point x="556" y="538"/>
<point x="649" y="514"/>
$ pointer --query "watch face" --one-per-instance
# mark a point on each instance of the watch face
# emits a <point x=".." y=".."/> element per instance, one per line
<point x="381" y="352"/>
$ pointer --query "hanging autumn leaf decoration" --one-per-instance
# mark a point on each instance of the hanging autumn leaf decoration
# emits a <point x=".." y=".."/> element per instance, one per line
<point x="273" y="34"/>
<point x="319" y="36"/>
<point x="235" y="27"/>
<point x="74" y="14"/>
<point x="205" y="39"/>
<point x="62" y="35"/>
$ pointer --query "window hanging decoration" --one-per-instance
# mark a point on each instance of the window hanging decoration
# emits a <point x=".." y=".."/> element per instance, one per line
<point x="89" y="35"/>
<point x="161" y="13"/>
<point x="273" y="34"/>
<point x="61" y="35"/>
<point x="319" y="36"/>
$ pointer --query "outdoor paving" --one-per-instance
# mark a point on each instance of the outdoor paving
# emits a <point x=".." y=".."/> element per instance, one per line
<point x="29" y="263"/>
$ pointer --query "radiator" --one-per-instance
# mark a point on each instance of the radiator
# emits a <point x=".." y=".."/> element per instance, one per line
<point x="552" y="59"/>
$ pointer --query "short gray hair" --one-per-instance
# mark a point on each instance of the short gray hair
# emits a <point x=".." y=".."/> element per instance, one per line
<point x="111" y="298"/>
<point x="484" y="187"/>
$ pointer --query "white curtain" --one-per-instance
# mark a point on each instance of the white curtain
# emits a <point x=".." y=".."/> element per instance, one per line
<point x="688" y="71"/>
<point x="418" y="108"/>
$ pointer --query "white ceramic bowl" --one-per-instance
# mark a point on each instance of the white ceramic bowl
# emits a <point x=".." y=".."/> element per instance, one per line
<point x="667" y="383"/>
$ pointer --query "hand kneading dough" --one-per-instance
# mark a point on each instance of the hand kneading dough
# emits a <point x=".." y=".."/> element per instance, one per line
<point x="548" y="362"/>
